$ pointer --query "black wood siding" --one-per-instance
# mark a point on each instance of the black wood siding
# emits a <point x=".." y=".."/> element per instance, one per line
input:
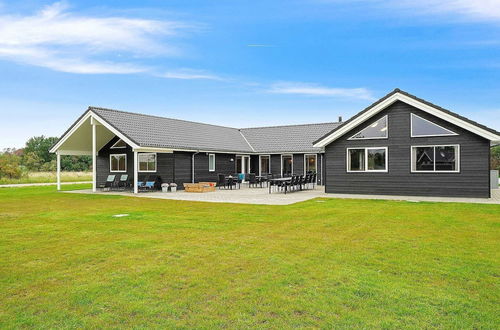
<point x="472" y="181"/>
<point x="223" y="165"/>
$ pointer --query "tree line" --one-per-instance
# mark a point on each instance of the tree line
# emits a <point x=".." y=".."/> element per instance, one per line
<point x="35" y="157"/>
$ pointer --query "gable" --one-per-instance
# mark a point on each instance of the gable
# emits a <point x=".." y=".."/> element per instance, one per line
<point x="429" y="108"/>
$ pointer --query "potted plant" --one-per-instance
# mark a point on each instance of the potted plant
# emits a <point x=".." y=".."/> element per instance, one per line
<point x="173" y="187"/>
<point x="164" y="187"/>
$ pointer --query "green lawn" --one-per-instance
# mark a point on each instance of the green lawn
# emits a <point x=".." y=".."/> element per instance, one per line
<point x="66" y="262"/>
<point x="44" y="177"/>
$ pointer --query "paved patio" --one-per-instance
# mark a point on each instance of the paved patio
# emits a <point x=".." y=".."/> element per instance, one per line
<point x="261" y="196"/>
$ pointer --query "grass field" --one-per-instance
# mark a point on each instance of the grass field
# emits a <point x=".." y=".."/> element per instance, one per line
<point x="43" y="177"/>
<point x="66" y="262"/>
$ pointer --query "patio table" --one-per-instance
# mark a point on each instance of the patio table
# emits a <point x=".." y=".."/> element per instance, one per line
<point x="230" y="180"/>
<point x="288" y="179"/>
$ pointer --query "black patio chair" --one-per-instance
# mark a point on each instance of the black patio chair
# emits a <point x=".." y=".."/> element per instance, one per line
<point x="221" y="181"/>
<point x="313" y="180"/>
<point x="110" y="181"/>
<point x="141" y="181"/>
<point x="124" y="182"/>
<point x="252" y="180"/>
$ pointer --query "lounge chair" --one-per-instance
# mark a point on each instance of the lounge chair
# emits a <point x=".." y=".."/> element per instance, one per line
<point x="123" y="183"/>
<point x="110" y="181"/>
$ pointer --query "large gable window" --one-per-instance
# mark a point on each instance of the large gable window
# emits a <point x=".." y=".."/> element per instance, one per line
<point x="118" y="163"/>
<point x="147" y="162"/>
<point x="376" y="130"/>
<point x="367" y="159"/>
<point x="444" y="158"/>
<point x="421" y="127"/>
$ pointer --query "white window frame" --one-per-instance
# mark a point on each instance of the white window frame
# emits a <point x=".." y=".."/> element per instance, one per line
<point x="434" y="146"/>
<point x="285" y="155"/>
<point x="348" y="160"/>
<point x="139" y="162"/>
<point x="210" y="168"/>
<point x="373" y="138"/>
<point x="433" y="123"/>
<point x="115" y="147"/>
<point x="315" y="163"/>
<point x="260" y="163"/>
<point x="111" y="168"/>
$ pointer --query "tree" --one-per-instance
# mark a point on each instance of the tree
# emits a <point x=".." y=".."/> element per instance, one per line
<point x="40" y="145"/>
<point x="495" y="158"/>
<point x="31" y="161"/>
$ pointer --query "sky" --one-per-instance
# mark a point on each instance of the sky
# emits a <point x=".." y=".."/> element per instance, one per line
<point x="242" y="63"/>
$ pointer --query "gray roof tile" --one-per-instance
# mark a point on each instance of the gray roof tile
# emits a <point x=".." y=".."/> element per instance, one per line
<point x="161" y="132"/>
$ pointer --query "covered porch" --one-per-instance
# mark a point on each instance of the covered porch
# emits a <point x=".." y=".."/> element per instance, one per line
<point x="88" y="136"/>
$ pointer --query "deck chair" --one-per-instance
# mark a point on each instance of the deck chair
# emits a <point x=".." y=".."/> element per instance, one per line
<point x="123" y="183"/>
<point x="110" y="181"/>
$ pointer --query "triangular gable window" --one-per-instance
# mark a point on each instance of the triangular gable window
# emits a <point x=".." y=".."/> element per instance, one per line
<point x="423" y="127"/>
<point x="119" y="144"/>
<point x="376" y="130"/>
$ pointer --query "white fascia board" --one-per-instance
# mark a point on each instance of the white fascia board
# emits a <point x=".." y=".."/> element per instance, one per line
<point x="159" y="150"/>
<point x="68" y="134"/>
<point x="74" y="152"/>
<point x="417" y="104"/>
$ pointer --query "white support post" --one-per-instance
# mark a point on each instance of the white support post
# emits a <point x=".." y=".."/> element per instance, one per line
<point x="136" y="189"/>
<point x="94" y="162"/>
<point x="58" y="173"/>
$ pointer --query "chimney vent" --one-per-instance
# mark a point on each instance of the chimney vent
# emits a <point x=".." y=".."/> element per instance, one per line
<point x="340" y="119"/>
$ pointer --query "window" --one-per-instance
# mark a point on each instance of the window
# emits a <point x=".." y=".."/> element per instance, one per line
<point x="367" y="159"/>
<point x="147" y="162"/>
<point x="119" y="144"/>
<point x="211" y="162"/>
<point x="118" y="163"/>
<point x="376" y="130"/>
<point x="423" y="127"/>
<point x="310" y="164"/>
<point x="435" y="158"/>
<point x="265" y="165"/>
<point x="286" y="165"/>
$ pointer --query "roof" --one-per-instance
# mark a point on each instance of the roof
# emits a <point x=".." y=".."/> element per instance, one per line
<point x="398" y="92"/>
<point x="161" y="132"/>
<point x="291" y="138"/>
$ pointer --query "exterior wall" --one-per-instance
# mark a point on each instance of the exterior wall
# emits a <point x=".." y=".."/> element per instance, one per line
<point x="471" y="181"/>
<point x="223" y="165"/>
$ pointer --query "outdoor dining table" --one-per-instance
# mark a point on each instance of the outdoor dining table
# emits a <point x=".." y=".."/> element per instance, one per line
<point x="230" y="180"/>
<point x="261" y="179"/>
<point x="288" y="179"/>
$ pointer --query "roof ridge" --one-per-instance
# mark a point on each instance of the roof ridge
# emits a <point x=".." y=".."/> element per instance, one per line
<point x="291" y="125"/>
<point x="162" y="117"/>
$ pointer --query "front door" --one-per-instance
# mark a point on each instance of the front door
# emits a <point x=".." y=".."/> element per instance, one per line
<point x="242" y="164"/>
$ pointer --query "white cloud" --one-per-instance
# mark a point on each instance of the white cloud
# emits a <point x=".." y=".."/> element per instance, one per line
<point x="60" y="40"/>
<point x="476" y="10"/>
<point x="190" y="74"/>
<point x="317" y="90"/>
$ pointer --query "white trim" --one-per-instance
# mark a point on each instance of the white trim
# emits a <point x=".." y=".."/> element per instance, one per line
<point x="209" y="163"/>
<point x="136" y="175"/>
<point x="417" y="104"/>
<point x="70" y="132"/>
<point x="373" y="138"/>
<point x="58" y="170"/>
<point x="111" y="169"/>
<point x="156" y="150"/>
<point x="147" y="153"/>
<point x="457" y="161"/>
<point x="94" y="156"/>
<point x="260" y="163"/>
<point x="291" y="155"/>
<point x="417" y="136"/>
<point x="115" y="147"/>
<point x="366" y="160"/>
<point x="315" y="162"/>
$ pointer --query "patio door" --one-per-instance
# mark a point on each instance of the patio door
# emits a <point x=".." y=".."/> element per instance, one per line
<point x="242" y="164"/>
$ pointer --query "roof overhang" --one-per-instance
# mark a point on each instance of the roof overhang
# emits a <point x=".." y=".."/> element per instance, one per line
<point x="78" y="139"/>
<point x="398" y="96"/>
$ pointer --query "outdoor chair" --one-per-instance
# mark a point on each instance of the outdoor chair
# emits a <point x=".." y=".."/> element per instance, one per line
<point x="110" y="181"/>
<point x="313" y="180"/>
<point x="252" y="180"/>
<point x="221" y="181"/>
<point x="123" y="183"/>
<point x="141" y="181"/>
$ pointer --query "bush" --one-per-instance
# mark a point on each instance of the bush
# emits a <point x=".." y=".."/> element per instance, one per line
<point x="495" y="158"/>
<point x="10" y="166"/>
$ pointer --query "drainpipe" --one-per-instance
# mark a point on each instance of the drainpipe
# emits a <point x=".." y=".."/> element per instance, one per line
<point x="192" y="166"/>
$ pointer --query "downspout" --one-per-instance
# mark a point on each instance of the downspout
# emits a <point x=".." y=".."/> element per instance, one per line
<point x="192" y="166"/>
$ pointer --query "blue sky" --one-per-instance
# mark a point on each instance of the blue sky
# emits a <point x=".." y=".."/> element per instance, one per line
<point x="242" y="63"/>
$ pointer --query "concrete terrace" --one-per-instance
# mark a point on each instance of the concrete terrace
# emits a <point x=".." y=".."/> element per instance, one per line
<point x="261" y="196"/>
